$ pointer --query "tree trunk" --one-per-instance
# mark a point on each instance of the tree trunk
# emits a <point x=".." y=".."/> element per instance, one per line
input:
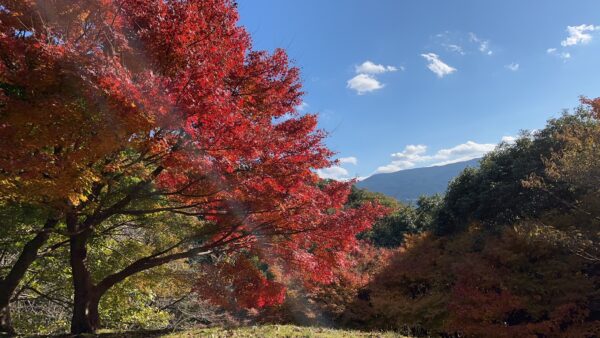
<point x="94" y="316"/>
<point x="86" y="318"/>
<point x="5" y="323"/>
<point x="82" y="320"/>
<point x="9" y="284"/>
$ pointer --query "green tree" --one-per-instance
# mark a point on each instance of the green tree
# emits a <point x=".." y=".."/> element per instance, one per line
<point x="494" y="194"/>
<point x="390" y="230"/>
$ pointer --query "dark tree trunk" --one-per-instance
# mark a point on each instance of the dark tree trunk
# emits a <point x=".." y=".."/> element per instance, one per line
<point x="86" y="318"/>
<point x="83" y="320"/>
<point x="5" y="323"/>
<point x="94" y="316"/>
<point x="9" y="284"/>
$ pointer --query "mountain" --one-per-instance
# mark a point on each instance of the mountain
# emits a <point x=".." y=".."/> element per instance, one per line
<point x="407" y="185"/>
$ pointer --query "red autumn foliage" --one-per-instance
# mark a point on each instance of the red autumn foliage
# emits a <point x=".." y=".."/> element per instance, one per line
<point x="96" y="92"/>
<point x="363" y="264"/>
<point x="482" y="285"/>
<point x="322" y="303"/>
<point x="592" y="103"/>
<point x="65" y="106"/>
<point x="239" y="285"/>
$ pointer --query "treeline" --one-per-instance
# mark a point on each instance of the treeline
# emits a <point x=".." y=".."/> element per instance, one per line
<point x="511" y="249"/>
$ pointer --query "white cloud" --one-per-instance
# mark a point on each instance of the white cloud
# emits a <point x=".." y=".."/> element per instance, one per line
<point x="408" y="158"/>
<point x="462" y="152"/>
<point x="437" y="66"/>
<point x="562" y="55"/>
<point x="395" y="166"/>
<point x="509" y="139"/>
<point x="512" y="67"/>
<point x="579" y="34"/>
<point x="455" y="48"/>
<point x="369" y="67"/>
<point x="302" y="106"/>
<point x="463" y="43"/>
<point x="484" y="45"/>
<point x="335" y="173"/>
<point x="416" y="155"/>
<point x="364" y="83"/>
<point x="348" y="160"/>
<point x="411" y="152"/>
<point x="338" y="172"/>
<point x="484" y="48"/>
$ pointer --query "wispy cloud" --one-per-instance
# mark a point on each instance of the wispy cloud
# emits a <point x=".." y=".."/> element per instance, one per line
<point x="484" y="45"/>
<point x="437" y="66"/>
<point x="579" y="35"/>
<point x="512" y="67"/>
<point x="302" y="106"/>
<point x="561" y="55"/>
<point x="454" y="48"/>
<point x="463" y="43"/>
<point x="364" y="83"/>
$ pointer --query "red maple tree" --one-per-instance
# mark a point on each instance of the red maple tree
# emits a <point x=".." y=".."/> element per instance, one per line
<point x="96" y="92"/>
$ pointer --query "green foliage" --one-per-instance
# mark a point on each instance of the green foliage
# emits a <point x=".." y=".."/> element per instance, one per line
<point x="389" y="231"/>
<point x="494" y="193"/>
<point x="24" y="221"/>
<point x="44" y="302"/>
<point x="128" y="306"/>
<point x="359" y="197"/>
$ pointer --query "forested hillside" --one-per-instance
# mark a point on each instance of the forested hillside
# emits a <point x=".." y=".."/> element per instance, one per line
<point x="511" y="250"/>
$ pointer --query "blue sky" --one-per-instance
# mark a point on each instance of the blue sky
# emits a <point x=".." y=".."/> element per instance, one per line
<point x="446" y="80"/>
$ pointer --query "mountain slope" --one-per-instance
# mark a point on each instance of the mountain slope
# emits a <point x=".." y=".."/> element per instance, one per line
<point x="407" y="185"/>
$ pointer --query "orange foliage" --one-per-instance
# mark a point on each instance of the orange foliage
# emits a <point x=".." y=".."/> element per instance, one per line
<point x="483" y="285"/>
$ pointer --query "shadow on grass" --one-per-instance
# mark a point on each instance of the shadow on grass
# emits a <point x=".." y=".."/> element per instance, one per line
<point x="120" y="334"/>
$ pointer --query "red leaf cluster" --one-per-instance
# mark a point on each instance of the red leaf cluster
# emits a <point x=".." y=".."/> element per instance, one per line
<point x="239" y="284"/>
<point x="93" y="92"/>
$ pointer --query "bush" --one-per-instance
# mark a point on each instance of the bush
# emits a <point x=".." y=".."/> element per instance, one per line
<point x="514" y="284"/>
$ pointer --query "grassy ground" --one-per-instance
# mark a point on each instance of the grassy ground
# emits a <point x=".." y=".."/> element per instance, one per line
<point x="277" y="331"/>
<point x="267" y="331"/>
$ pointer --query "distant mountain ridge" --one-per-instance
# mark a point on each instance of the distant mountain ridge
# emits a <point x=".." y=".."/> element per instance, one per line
<point x="407" y="185"/>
